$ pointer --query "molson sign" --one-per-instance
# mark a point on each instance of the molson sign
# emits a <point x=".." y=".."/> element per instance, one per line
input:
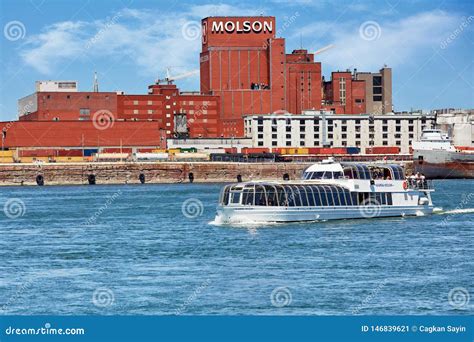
<point x="246" y="26"/>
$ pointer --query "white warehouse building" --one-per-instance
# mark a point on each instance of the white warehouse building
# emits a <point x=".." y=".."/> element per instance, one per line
<point x="325" y="129"/>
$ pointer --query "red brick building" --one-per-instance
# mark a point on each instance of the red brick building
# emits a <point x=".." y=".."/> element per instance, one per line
<point x="244" y="70"/>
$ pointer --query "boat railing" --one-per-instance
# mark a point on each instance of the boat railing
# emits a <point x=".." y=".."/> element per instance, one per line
<point x="420" y="184"/>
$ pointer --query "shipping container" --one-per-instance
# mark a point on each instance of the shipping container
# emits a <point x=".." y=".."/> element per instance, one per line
<point x="8" y="153"/>
<point x="150" y="156"/>
<point x="247" y="150"/>
<point x="230" y="150"/>
<point x="116" y="150"/>
<point x="69" y="159"/>
<point x="353" y="150"/>
<point x="111" y="156"/>
<point x="302" y="150"/>
<point x="191" y="156"/>
<point x="189" y="150"/>
<point x="7" y="160"/>
<point x="382" y="150"/>
<point x="69" y="153"/>
<point x="90" y="152"/>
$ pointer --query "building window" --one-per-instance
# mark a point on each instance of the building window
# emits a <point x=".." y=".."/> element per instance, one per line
<point x="398" y="142"/>
<point x="377" y="98"/>
<point x="398" y="128"/>
<point x="342" y="90"/>
<point x="302" y="143"/>
<point x="288" y="136"/>
<point x="385" y="136"/>
<point x="260" y="143"/>
<point x="288" y="128"/>
<point x="260" y="136"/>
<point x="260" y="129"/>
<point x="385" y="143"/>
<point x="385" y="128"/>
<point x="344" y="128"/>
<point x="410" y="128"/>
<point x="411" y="136"/>
<point x="357" y="143"/>
<point x="274" y="136"/>
<point x="344" y="136"/>
<point x="316" y="136"/>
<point x="301" y="136"/>
<point x="316" y="128"/>
<point x="274" y="143"/>
<point x="357" y="136"/>
<point x="288" y="143"/>
<point x="330" y="128"/>
<point x="302" y="128"/>
<point x="330" y="136"/>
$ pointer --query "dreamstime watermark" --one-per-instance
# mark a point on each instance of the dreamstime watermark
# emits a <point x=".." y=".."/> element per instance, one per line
<point x="103" y="119"/>
<point x="18" y="293"/>
<point x="14" y="30"/>
<point x="91" y="220"/>
<point x="192" y="208"/>
<point x="370" y="30"/>
<point x="458" y="297"/>
<point x="103" y="297"/>
<point x="14" y="208"/>
<point x="101" y="32"/>
<point x="287" y="22"/>
<point x="196" y="115"/>
<point x="367" y="300"/>
<point x="466" y="199"/>
<point x="281" y="297"/>
<point x="370" y="208"/>
<point x="191" y="30"/>
<point x="457" y="32"/>
<point x="192" y="297"/>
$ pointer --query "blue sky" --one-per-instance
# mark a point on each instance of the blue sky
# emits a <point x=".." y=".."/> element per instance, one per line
<point x="429" y="44"/>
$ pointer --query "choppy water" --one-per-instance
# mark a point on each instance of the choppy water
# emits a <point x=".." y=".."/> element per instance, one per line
<point x="130" y="250"/>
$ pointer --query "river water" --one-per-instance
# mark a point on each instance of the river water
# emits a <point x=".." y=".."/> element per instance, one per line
<point x="151" y="249"/>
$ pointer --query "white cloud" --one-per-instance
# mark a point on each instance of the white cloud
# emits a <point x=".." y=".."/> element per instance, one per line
<point x="148" y="39"/>
<point x="399" y="42"/>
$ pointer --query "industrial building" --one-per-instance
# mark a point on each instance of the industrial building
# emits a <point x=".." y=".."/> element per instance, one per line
<point x="325" y="129"/>
<point x="244" y="70"/>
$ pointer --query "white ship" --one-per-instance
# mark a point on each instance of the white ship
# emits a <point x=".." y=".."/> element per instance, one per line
<point x="327" y="191"/>
<point x="436" y="157"/>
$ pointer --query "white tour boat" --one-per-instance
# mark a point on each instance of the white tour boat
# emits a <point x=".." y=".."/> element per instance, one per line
<point x="327" y="191"/>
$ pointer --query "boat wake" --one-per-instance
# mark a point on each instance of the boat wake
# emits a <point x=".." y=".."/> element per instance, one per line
<point x="440" y="211"/>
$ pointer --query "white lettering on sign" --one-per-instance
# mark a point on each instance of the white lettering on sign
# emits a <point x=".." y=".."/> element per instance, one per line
<point x="242" y="27"/>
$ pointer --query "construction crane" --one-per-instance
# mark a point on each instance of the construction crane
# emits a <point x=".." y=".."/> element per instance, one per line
<point x="169" y="79"/>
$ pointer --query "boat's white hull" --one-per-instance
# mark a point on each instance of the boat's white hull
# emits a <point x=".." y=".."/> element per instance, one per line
<point x="240" y="215"/>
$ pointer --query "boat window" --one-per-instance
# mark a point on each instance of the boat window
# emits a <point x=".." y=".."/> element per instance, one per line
<point x="317" y="196"/>
<point x="389" y="198"/>
<point x="355" y="198"/>
<point x="271" y="195"/>
<point x="297" y="196"/>
<point x="317" y="175"/>
<point x="281" y="196"/>
<point x="342" y="198"/>
<point x="247" y="195"/>
<point x="309" y="192"/>
<point x="338" y="175"/>
<point x="335" y="194"/>
<point x="260" y="196"/>
<point x="304" y="196"/>
<point x="327" y="175"/>
<point x="235" y="197"/>
<point x="348" y="173"/>
<point x="290" y="196"/>
<point x="348" y="197"/>
<point x="330" y="198"/>
<point x="225" y="195"/>
<point x="324" y="197"/>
